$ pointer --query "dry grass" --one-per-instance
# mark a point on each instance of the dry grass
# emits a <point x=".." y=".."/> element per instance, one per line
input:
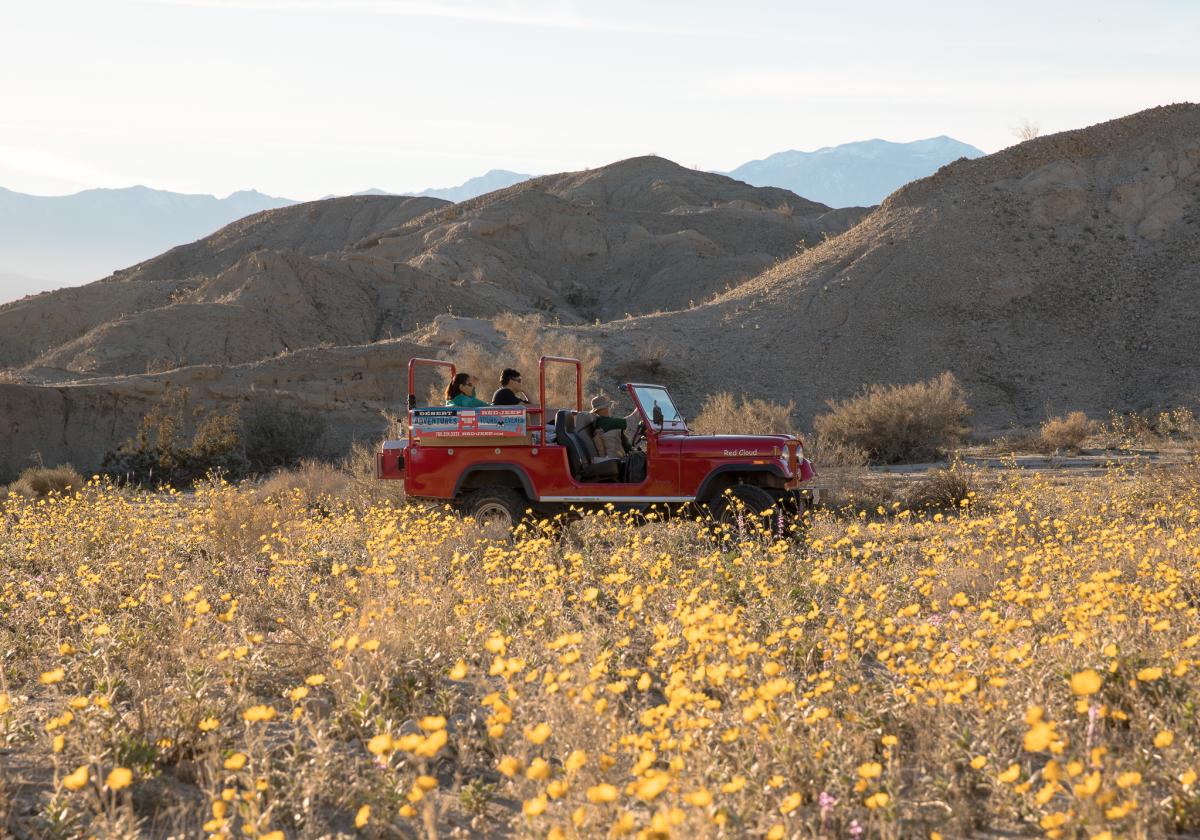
<point x="312" y="485"/>
<point x="897" y="423"/>
<point x="261" y="666"/>
<point x="36" y="482"/>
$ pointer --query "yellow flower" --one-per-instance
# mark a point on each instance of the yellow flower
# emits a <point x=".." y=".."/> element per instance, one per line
<point x="602" y="793"/>
<point x="649" y="788"/>
<point x="978" y="762"/>
<point x="791" y="803"/>
<point x="734" y="785"/>
<point x="510" y="766"/>
<point x="258" y="714"/>
<point x="1010" y="775"/>
<point x="1164" y="739"/>
<point x="363" y="816"/>
<point x="426" y="782"/>
<point x="208" y="724"/>
<point x="51" y="677"/>
<point x="538" y="734"/>
<point x="539" y="770"/>
<point x="877" y="800"/>
<point x="1129" y="779"/>
<point x="459" y="670"/>
<point x="870" y="770"/>
<point x="298" y="693"/>
<point x="432" y="723"/>
<point x="5" y="704"/>
<point x="314" y="679"/>
<point x="119" y="777"/>
<point x="1038" y="737"/>
<point x="1118" y="812"/>
<point x="534" y="807"/>
<point x="1187" y="778"/>
<point x="381" y="744"/>
<point x="700" y="798"/>
<point x="575" y="760"/>
<point x="272" y="835"/>
<point x="236" y="761"/>
<point x="78" y="779"/>
<point x="1086" y="682"/>
<point x="1149" y="674"/>
<point x="776" y="833"/>
<point x="1089" y="785"/>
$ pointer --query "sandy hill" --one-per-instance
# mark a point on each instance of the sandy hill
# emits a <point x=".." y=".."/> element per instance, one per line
<point x="42" y="324"/>
<point x="637" y="236"/>
<point x="1058" y="274"/>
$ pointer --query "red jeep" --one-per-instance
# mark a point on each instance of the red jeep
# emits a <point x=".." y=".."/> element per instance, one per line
<point x="498" y="464"/>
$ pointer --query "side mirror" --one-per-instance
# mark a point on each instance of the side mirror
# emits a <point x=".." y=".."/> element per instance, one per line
<point x="657" y="415"/>
<point x="412" y="401"/>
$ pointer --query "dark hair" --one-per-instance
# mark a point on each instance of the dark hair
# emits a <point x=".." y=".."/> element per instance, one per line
<point x="508" y="376"/>
<point x="455" y="386"/>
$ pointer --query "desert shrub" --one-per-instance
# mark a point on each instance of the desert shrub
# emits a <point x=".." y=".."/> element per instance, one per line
<point x="723" y="414"/>
<point x="1067" y="432"/>
<point x="834" y="453"/>
<point x="1136" y="428"/>
<point x="275" y="436"/>
<point x="897" y="423"/>
<point x="159" y="453"/>
<point x="943" y="489"/>
<point x="36" y="482"/>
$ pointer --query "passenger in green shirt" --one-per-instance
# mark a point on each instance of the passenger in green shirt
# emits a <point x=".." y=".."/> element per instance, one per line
<point x="461" y="392"/>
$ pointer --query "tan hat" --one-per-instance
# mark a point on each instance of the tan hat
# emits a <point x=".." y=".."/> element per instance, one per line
<point x="600" y="402"/>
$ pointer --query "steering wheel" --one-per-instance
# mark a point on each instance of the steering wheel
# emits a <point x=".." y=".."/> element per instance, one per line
<point x="638" y="434"/>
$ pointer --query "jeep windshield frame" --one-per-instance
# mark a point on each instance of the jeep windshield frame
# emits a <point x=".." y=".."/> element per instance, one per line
<point x="646" y="397"/>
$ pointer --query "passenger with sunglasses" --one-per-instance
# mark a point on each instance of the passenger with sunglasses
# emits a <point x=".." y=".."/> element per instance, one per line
<point x="461" y="392"/>
<point x="510" y="391"/>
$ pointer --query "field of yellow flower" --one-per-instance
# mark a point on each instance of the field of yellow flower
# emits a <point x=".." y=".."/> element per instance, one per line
<point x="228" y="665"/>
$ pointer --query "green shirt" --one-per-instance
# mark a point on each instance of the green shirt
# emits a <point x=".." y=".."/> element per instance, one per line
<point x="607" y="424"/>
<point x="463" y="401"/>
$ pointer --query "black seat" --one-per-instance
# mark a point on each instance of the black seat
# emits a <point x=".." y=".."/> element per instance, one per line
<point x="582" y="466"/>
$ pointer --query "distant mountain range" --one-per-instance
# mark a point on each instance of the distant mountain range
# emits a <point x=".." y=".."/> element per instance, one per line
<point x="490" y="181"/>
<point x="854" y="174"/>
<point x="70" y="240"/>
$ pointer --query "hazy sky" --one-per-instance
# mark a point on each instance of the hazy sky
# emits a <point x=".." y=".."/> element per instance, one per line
<point x="302" y="98"/>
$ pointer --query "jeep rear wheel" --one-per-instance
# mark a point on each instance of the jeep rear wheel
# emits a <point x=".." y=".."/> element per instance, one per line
<point x="496" y="510"/>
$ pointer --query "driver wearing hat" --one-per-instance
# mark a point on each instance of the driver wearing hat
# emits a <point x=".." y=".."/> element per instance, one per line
<point x="605" y="423"/>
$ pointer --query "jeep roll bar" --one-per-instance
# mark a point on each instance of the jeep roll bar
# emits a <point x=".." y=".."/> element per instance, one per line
<point x="412" y="383"/>
<point x="540" y="410"/>
<point x="542" y="384"/>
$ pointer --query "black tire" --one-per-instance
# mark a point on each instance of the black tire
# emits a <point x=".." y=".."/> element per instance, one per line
<point x="495" y="508"/>
<point x="755" y="516"/>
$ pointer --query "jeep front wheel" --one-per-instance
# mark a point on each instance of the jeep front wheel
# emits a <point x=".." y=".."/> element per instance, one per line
<point x="741" y="511"/>
<point x="496" y="510"/>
